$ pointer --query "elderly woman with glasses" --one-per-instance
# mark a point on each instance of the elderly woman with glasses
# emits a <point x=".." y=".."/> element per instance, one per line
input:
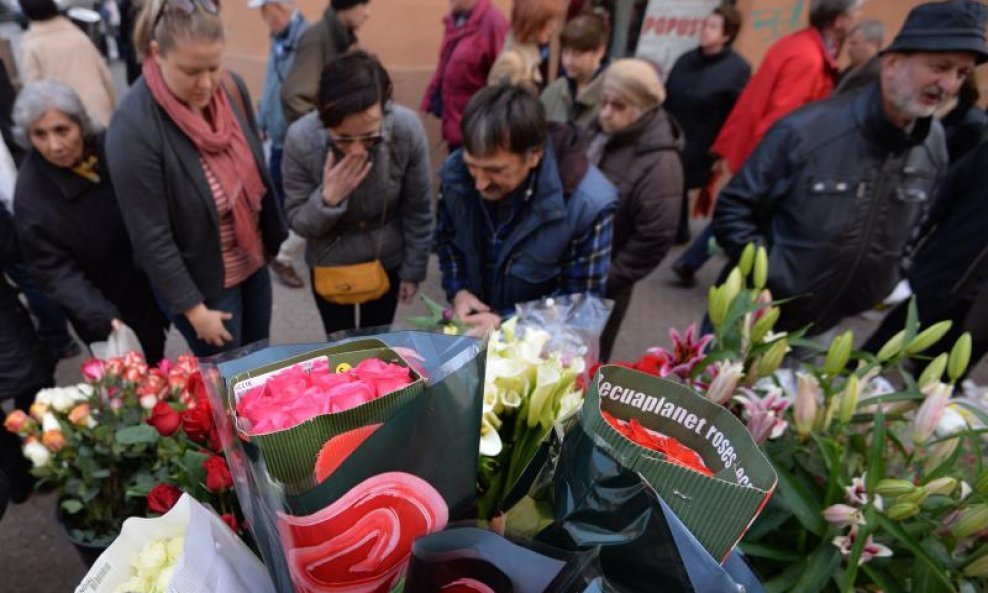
<point x="190" y="177"/>
<point x="71" y="233"/>
<point x="357" y="187"/>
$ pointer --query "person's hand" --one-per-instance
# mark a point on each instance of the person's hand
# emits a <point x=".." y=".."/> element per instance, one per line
<point x="340" y="179"/>
<point x="473" y="312"/>
<point x="407" y="292"/>
<point x="481" y="323"/>
<point x="208" y="324"/>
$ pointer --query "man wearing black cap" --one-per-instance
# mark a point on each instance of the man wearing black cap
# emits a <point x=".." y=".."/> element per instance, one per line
<point x="327" y="38"/>
<point x="836" y="189"/>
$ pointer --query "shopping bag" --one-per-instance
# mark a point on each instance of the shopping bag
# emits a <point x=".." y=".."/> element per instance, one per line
<point x="213" y="558"/>
<point x="120" y="341"/>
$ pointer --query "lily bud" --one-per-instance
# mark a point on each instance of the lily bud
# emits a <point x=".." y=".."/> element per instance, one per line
<point x="764" y="324"/>
<point x="892" y="347"/>
<point x="933" y="371"/>
<point x="760" y="276"/>
<point x="917" y="496"/>
<point x="747" y="259"/>
<point x="940" y="453"/>
<point x="849" y="399"/>
<point x="929" y="337"/>
<point x="772" y="359"/>
<point x="723" y="386"/>
<point x="838" y="354"/>
<point x="981" y="484"/>
<point x="843" y="515"/>
<point x="732" y="286"/>
<point x="890" y="487"/>
<point x="977" y="569"/>
<point x="942" y="486"/>
<point x="717" y="305"/>
<point x="960" y="357"/>
<point x="805" y="410"/>
<point x="929" y="413"/>
<point x="901" y="511"/>
<point x="972" y="520"/>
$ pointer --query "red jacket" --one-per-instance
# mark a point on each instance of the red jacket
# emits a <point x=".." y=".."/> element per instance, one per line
<point x="797" y="70"/>
<point x="465" y="57"/>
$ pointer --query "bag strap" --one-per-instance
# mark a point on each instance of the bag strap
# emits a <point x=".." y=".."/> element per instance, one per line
<point x="236" y="93"/>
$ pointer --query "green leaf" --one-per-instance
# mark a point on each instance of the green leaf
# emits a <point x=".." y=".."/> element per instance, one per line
<point x="883" y="579"/>
<point x="785" y="580"/>
<point x="134" y="435"/>
<point x="922" y="556"/>
<point x="864" y="531"/>
<point x="820" y="568"/>
<point x="802" y="503"/>
<point x="757" y="550"/>
<point x="876" y="459"/>
<point x="72" y="506"/>
<point x="832" y="459"/>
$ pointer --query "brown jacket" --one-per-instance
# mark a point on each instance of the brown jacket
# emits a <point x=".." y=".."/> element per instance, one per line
<point x="643" y="162"/>
<point x="58" y="50"/>
<point x="322" y="41"/>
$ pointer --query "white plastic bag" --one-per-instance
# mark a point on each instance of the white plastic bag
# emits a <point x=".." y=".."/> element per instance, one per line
<point x="120" y="342"/>
<point x="214" y="560"/>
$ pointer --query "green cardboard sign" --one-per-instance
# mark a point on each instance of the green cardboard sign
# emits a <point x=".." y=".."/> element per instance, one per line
<point x="717" y="510"/>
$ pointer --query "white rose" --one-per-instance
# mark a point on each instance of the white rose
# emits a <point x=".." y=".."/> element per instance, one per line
<point x="39" y="454"/>
<point x="44" y="396"/>
<point x="149" y="401"/>
<point x="176" y="546"/>
<point x="49" y="422"/>
<point x="152" y="558"/>
<point x="63" y="399"/>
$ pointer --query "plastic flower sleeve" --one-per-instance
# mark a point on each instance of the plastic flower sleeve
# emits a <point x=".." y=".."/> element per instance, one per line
<point x="574" y="322"/>
<point x="392" y="479"/>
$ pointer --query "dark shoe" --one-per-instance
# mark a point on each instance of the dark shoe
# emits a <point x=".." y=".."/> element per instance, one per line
<point x="287" y="275"/>
<point x="687" y="277"/>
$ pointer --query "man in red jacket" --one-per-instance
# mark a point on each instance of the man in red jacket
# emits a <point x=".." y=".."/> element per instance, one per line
<point x="798" y="69"/>
<point x="474" y="34"/>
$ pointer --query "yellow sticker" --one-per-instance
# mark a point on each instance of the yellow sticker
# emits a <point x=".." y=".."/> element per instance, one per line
<point x="343" y="367"/>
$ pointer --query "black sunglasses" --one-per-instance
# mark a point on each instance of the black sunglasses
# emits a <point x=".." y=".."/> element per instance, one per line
<point x="187" y="7"/>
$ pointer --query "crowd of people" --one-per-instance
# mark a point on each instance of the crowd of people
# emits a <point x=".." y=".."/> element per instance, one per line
<point x="173" y="205"/>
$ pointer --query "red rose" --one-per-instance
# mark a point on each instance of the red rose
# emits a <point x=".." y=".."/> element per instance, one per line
<point x="197" y="422"/>
<point x="230" y="520"/>
<point x="165" y="419"/>
<point x="163" y="497"/>
<point x="218" y="476"/>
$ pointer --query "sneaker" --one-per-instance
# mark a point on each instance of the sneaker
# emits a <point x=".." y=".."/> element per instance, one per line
<point x="287" y="275"/>
<point x="686" y="276"/>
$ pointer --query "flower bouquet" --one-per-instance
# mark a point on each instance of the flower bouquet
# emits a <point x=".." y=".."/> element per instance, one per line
<point x="127" y="442"/>
<point x="343" y="455"/>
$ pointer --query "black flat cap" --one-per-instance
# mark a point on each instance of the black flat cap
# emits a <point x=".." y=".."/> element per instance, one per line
<point x="956" y="25"/>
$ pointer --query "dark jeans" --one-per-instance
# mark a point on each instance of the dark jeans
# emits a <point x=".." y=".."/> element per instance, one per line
<point x="697" y="254"/>
<point x="683" y="232"/>
<point x="250" y="304"/>
<point x="374" y="313"/>
<point x="274" y="164"/>
<point x="52" y="324"/>
<point x="607" y="338"/>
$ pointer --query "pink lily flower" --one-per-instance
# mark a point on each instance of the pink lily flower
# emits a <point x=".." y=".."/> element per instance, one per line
<point x="857" y="493"/>
<point x="929" y="413"/>
<point x="764" y="414"/>
<point x="871" y="549"/>
<point x="687" y="350"/>
<point x="843" y="515"/>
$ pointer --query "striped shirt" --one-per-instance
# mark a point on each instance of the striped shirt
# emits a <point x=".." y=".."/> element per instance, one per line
<point x="237" y="263"/>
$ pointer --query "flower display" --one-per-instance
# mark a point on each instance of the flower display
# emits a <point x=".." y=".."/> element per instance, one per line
<point x="126" y="443"/>
<point x="297" y="394"/>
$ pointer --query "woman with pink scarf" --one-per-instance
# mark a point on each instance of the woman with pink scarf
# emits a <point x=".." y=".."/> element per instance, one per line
<point x="189" y="174"/>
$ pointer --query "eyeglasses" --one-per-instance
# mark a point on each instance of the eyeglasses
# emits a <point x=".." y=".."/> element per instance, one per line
<point x="187" y="7"/>
<point x="370" y="141"/>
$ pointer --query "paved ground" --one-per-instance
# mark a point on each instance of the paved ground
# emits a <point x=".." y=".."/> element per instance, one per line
<point x="36" y="557"/>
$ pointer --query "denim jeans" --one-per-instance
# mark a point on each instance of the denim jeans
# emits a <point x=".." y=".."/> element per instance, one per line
<point x="274" y="165"/>
<point x="250" y="304"/>
<point x="372" y="314"/>
<point x="698" y="252"/>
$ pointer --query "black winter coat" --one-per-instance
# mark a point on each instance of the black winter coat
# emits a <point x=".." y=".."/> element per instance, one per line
<point x="166" y="202"/>
<point x="702" y="91"/>
<point x="835" y="191"/>
<point x="643" y="162"/>
<point x="76" y="248"/>
<point x="26" y="365"/>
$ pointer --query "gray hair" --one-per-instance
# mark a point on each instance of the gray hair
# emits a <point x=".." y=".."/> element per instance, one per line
<point x="871" y="30"/>
<point x="823" y="13"/>
<point x="37" y="98"/>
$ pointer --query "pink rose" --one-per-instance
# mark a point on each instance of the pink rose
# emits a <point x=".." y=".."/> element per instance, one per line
<point x="349" y="396"/>
<point x="93" y="369"/>
<point x="385" y="377"/>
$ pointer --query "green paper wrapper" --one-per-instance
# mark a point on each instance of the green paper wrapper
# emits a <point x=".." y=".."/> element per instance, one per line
<point x="718" y="510"/>
<point x="290" y="455"/>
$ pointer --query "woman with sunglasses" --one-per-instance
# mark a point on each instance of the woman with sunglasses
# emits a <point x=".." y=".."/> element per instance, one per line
<point x="189" y="174"/>
<point x="357" y="187"/>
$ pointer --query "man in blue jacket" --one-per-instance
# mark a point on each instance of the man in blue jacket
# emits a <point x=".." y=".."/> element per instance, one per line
<point x="286" y="24"/>
<point x="522" y="213"/>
